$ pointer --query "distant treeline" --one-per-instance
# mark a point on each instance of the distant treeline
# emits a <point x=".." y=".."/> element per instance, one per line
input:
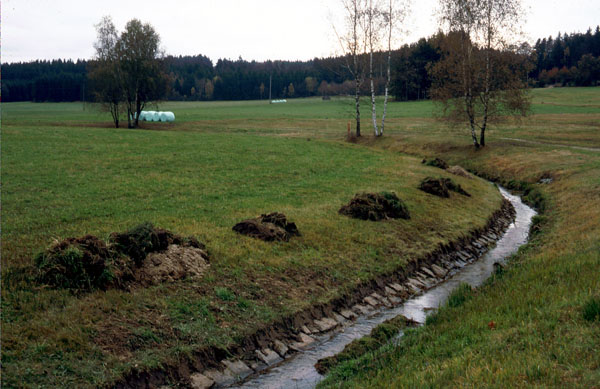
<point x="567" y="60"/>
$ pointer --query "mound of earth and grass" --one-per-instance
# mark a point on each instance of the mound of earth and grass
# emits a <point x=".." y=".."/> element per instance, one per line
<point x="268" y="227"/>
<point x="376" y="206"/>
<point x="436" y="162"/>
<point x="441" y="187"/>
<point x="144" y="255"/>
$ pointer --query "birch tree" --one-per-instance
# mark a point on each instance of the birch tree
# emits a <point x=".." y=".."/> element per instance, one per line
<point x="393" y="17"/>
<point x="353" y="42"/>
<point x="383" y="21"/>
<point x="478" y="79"/>
<point x="105" y="74"/>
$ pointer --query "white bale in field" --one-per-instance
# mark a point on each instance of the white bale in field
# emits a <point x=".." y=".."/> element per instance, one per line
<point x="162" y="116"/>
<point x="168" y="116"/>
<point x="155" y="116"/>
<point x="148" y="116"/>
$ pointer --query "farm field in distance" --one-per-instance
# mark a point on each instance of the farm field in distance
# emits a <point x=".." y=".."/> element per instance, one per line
<point x="65" y="173"/>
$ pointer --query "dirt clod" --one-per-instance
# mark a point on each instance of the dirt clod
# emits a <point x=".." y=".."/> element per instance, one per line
<point x="268" y="227"/>
<point x="453" y="186"/>
<point x="435" y="187"/>
<point x="441" y="186"/>
<point x="436" y="162"/>
<point x="376" y="206"/>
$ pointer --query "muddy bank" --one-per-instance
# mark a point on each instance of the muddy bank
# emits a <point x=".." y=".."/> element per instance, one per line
<point x="286" y="337"/>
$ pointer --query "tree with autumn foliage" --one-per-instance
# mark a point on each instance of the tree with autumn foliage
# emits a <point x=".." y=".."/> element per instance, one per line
<point x="481" y="77"/>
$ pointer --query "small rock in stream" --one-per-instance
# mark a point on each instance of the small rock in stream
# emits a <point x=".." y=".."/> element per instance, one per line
<point x="268" y="356"/>
<point x="200" y="381"/>
<point x="280" y="347"/>
<point x="238" y="368"/>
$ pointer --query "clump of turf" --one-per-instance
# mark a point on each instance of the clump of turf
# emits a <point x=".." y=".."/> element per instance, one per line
<point x="89" y="263"/>
<point x="441" y="186"/>
<point x="376" y="206"/>
<point x="378" y="337"/>
<point x="268" y="227"/>
<point x="76" y="263"/>
<point x="453" y="186"/>
<point x="436" y="162"/>
<point x="144" y="238"/>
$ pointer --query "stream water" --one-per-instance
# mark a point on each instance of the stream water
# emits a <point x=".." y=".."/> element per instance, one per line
<point x="299" y="372"/>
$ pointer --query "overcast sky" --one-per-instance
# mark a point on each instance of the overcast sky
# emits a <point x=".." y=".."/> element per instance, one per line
<point x="253" y="29"/>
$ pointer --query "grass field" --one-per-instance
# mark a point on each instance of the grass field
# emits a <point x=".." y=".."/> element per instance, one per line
<point x="64" y="178"/>
<point x="66" y="173"/>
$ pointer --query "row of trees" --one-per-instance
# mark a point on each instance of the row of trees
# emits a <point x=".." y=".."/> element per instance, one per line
<point x="369" y="27"/>
<point x="196" y="78"/>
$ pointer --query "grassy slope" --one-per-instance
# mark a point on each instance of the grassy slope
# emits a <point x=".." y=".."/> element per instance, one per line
<point x="62" y="179"/>
<point x="540" y="337"/>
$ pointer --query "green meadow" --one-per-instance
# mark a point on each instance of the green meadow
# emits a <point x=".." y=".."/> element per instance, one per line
<point x="66" y="172"/>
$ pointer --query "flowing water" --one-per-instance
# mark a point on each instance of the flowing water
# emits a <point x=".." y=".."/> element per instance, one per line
<point x="299" y="371"/>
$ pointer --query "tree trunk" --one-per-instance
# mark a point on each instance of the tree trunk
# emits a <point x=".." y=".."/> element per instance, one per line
<point x="473" y="134"/>
<point x="138" y="110"/>
<point x="488" y="70"/>
<point x="482" y="137"/>
<point x="129" y="116"/>
<point x="373" y="106"/>
<point x="357" y="101"/>
<point x="389" y="74"/>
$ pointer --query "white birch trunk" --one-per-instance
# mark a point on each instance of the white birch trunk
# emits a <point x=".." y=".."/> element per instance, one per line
<point x="373" y="105"/>
<point x="389" y="65"/>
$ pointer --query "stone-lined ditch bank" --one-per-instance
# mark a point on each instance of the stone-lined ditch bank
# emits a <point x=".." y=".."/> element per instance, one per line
<point x="284" y="353"/>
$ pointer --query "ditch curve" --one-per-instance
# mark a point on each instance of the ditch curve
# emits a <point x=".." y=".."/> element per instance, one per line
<point x="427" y="294"/>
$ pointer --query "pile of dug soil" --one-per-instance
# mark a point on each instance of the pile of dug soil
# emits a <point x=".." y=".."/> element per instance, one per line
<point x="453" y="186"/>
<point x="441" y="187"/>
<point x="89" y="263"/>
<point x="175" y="263"/>
<point x="143" y="239"/>
<point x="459" y="171"/>
<point x="268" y="227"/>
<point x="375" y="206"/>
<point x="75" y="263"/>
<point x="436" y="162"/>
